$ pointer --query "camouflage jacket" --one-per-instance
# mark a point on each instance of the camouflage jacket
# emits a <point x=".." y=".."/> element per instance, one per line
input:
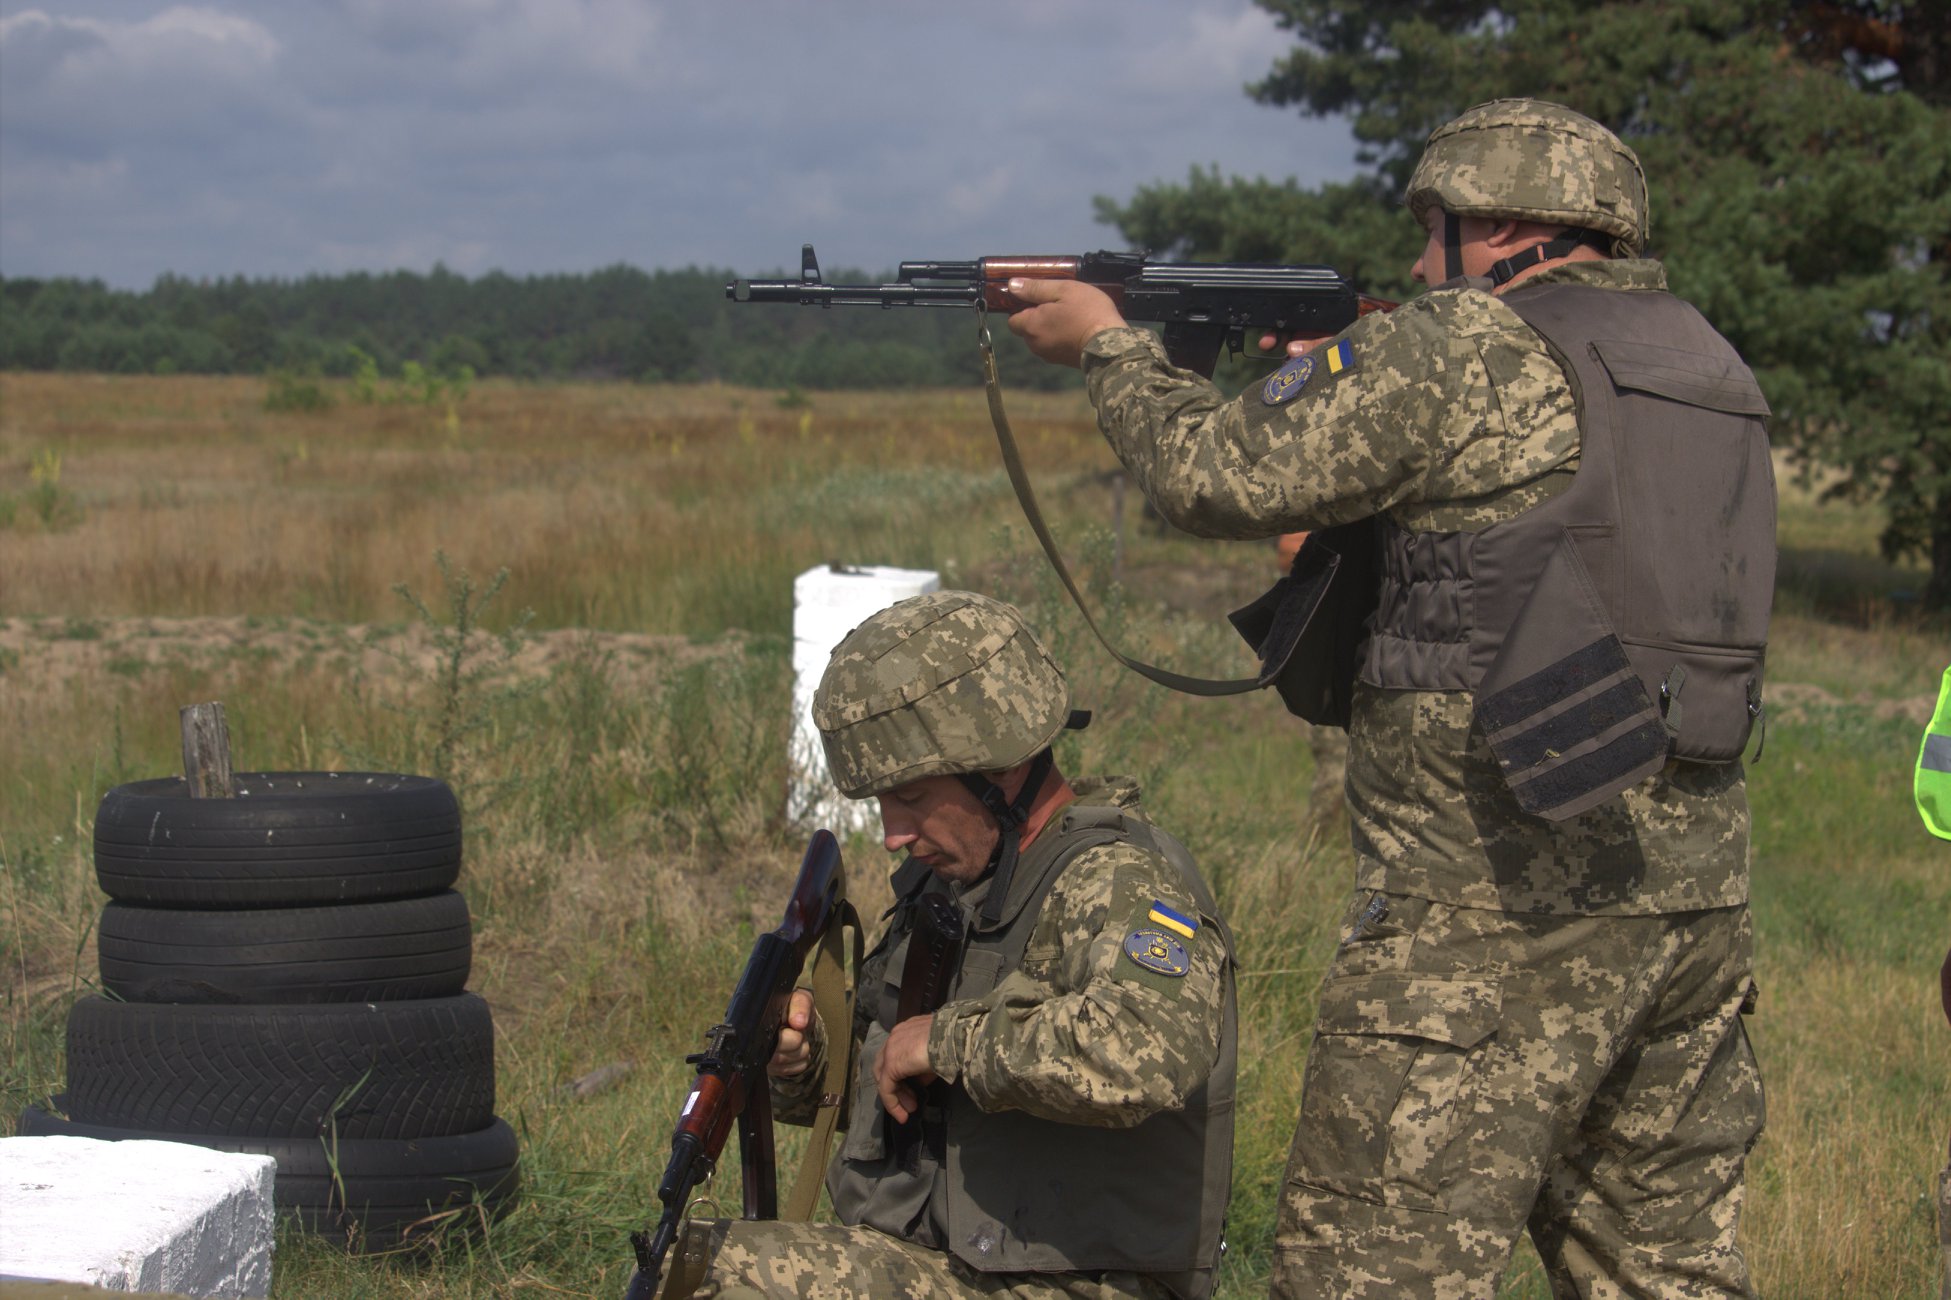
<point x="1081" y="1034"/>
<point x="1449" y="414"/>
<point x="1078" y="1033"/>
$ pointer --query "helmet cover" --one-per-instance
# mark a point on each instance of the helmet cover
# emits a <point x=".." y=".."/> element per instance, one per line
<point x="948" y="683"/>
<point x="1533" y="160"/>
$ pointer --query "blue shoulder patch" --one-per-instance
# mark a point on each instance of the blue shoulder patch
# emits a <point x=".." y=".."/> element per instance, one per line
<point x="1157" y="951"/>
<point x="1287" y="381"/>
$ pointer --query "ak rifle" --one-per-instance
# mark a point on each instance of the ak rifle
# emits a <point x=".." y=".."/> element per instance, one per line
<point x="1203" y="306"/>
<point x="935" y="944"/>
<point x="731" y="1086"/>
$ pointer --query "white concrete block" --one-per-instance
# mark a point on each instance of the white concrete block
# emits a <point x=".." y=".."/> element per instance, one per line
<point x="828" y="603"/>
<point x="136" y="1215"/>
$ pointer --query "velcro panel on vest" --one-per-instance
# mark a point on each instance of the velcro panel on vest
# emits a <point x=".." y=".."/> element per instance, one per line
<point x="1564" y="711"/>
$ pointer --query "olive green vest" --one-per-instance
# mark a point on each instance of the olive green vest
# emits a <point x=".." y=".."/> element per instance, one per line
<point x="1623" y="621"/>
<point x="1027" y="1195"/>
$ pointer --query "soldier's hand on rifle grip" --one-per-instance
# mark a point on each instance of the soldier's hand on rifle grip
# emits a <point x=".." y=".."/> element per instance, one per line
<point x="1298" y="345"/>
<point x="794" y="1051"/>
<point x="904" y="1056"/>
<point x="1060" y="316"/>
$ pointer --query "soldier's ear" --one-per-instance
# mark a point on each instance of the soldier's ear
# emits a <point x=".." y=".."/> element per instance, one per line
<point x="1504" y="233"/>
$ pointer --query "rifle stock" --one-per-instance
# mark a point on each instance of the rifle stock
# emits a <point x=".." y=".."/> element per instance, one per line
<point x="731" y="1087"/>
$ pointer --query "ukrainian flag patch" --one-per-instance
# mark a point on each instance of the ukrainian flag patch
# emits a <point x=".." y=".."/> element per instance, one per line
<point x="1340" y="357"/>
<point x="1172" y="919"/>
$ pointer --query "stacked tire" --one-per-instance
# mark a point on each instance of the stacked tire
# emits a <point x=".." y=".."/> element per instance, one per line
<point x="285" y="973"/>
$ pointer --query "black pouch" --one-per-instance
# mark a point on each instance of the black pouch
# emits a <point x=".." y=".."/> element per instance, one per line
<point x="1308" y="629"/>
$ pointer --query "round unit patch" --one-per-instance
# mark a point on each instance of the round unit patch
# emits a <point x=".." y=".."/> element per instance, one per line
<point x="1157" y="951"/>
<point x="1290" y="379"/>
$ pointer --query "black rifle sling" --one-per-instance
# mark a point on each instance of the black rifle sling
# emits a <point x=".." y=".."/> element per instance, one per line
<point x="1306" y="631"/>
<point x="1026" y="497"/>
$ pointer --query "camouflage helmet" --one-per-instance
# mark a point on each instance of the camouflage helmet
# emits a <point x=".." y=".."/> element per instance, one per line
<point x="943" y="684"/>
<point x="1532" y="160"/>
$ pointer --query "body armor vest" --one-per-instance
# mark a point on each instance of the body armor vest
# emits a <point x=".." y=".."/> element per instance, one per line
<point x="1027" y="1195"/>
<point x="1623" y="621"/>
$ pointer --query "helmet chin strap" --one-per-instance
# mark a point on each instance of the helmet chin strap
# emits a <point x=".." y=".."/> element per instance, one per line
<point x="1566" y="242"/>
<point x="1503" y="272"/>
<point x="1010" y="816"/>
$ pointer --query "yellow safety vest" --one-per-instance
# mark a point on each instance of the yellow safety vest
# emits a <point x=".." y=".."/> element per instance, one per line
<point x="1934" y="767"/>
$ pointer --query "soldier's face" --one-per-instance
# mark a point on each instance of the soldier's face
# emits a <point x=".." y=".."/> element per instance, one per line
<point x="938" y="823"/>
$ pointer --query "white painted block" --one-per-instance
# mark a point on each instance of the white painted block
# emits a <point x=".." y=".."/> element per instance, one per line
<point x="136" y="1215"/>
<point x="828" y="603"/>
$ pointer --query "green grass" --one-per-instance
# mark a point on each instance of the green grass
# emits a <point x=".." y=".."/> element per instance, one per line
<point x="624" y="784"/>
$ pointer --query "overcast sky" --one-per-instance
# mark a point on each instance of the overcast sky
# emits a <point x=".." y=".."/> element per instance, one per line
<point x="224" y="137"/>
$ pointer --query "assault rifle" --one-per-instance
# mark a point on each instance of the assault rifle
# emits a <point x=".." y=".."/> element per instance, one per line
<point x="731" y="1084"/>
<point x="934" y="956"/>
<point x="1203" y="306"/>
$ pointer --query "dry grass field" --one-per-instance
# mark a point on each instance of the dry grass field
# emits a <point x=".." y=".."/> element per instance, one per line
<point x="620" y="756"/>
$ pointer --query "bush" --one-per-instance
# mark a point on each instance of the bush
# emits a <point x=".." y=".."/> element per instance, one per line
<point x="296" y="391"/>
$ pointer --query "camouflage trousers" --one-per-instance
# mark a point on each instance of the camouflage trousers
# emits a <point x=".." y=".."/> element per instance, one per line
<point x="745" y="1259"/>
<point x="1475" y="1073"/>
<point x="1327" y="798"/>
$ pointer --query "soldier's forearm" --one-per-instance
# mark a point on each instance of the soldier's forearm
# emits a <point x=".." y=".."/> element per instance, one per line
<point x="1109" y="1056"/>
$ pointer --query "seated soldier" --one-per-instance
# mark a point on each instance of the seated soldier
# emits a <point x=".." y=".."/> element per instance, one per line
<point x="1062" y="1124"/>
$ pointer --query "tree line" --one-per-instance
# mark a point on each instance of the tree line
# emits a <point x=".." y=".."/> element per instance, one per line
<point x="618" y="323"/>
<point x="1798" y="154"/>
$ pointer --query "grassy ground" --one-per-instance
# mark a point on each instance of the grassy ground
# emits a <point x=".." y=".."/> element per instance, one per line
<point x="164" y="541"/>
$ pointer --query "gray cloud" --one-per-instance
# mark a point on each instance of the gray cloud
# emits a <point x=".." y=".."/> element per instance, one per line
<point x="222" y="138"/>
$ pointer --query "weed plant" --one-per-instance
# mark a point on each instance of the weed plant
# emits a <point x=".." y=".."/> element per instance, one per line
<point x="291" y="390"/>
<point x="621" y="759"/>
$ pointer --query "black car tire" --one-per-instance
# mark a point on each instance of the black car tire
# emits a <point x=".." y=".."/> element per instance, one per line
<point x="393" y="950"/>
<point x="423" y="1068"/>
<point x="287" y="839"/>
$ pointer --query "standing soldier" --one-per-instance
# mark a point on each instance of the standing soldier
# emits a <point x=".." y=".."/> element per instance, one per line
<point x="1063" y="1124"/>
<point x="1534" y="1016"/>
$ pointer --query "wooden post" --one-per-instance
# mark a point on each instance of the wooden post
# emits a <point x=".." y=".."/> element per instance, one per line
<point x="206" y="751"/>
